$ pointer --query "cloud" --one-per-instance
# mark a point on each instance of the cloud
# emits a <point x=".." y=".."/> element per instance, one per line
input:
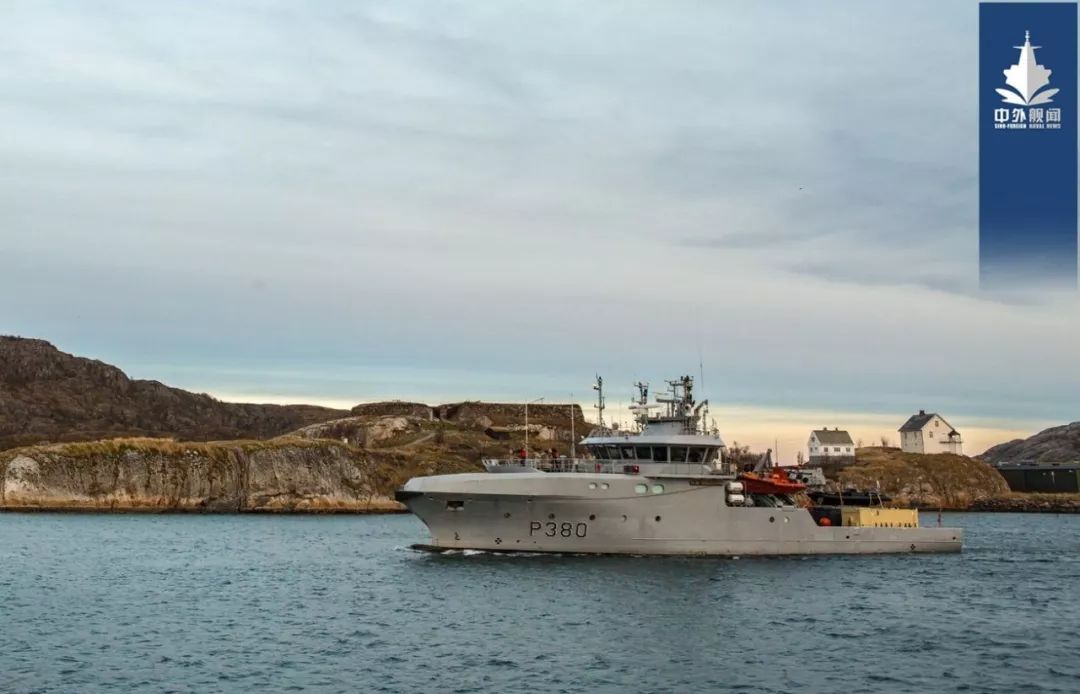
<point x="505" y="198"/>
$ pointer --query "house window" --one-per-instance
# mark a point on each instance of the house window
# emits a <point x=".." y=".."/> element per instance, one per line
<point x="836" y="449"/>
<point x="931" y="434"/>
<point x="847" y="449"/>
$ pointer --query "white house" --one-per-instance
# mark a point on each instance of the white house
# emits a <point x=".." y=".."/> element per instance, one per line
<point x="928" y="432"/>
<point x="831" y="446"/>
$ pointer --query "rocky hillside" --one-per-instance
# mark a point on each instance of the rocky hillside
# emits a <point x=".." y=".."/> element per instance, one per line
<point x="394" y="408"/>
<point x="483" y="415"/>
<point x="941" y="480"/>
<point x="156" y="475"/>
<point x="1055" y="445"/>
<point x="349" y="464"/>
<point x="47" y="395"/>
<point x="501" y="414"/>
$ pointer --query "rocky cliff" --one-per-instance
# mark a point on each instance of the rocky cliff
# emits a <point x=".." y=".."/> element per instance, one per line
<point x="1055" y="445"/>
<point x="394" y="408"/>
<point x="487" y="414"/>
<point x="47" y="395"/>
<point x="349" y="464"/>
<point x="940" y="480"/>
<point x="157" y="475"/>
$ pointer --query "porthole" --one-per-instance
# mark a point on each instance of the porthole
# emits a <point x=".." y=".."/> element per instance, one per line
<point x="604" y="485"/>
<point x="506" y="515"/>
<point x="624" y="520"/>
<point x="592" y="485"/>
<point x="658" y="489"/>
<point x="658" y="519"/>
<point x="551" y="516"/>
<point x="786" y="519"/>
<point x="772" y="519"/>
<point x="592" y="516"/>
<point x="641" y="488"/>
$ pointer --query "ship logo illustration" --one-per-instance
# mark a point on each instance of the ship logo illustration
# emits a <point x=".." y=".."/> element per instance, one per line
<point x="1027" y="77"/>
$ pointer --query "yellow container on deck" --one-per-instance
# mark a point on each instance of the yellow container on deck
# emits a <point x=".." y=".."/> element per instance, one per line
<point x="864" y="517"/>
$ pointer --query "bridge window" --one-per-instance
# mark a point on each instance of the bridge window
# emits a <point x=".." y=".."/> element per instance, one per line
<point x="611" y="452"/>
<point x="644" y="453"/>
<point x="627" y="452"/>
<point x="678" y="454"/>
<point x="697" y="454"/>
<point x="711" y="455"/>
<point x="659" y="454"/>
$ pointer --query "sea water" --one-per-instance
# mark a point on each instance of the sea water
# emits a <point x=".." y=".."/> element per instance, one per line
<point x="185" y="603"/>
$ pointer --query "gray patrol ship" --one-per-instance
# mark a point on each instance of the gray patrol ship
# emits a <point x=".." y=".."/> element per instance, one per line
<point x="664" y="489"/>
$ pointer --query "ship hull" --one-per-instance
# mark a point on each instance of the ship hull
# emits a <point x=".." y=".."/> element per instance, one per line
<point x="609" y="514"/>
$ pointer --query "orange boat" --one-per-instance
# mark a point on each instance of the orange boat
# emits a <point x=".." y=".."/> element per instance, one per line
<point x="774" y="481"/>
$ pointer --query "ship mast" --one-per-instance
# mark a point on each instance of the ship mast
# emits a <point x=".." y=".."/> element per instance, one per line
<point x="640" y="408"/>
<point x="599" y="388"/>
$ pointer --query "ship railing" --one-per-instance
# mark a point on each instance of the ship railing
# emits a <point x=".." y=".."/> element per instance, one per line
<point x="557" y="464"/>
<point x="545" y="464"/>
<point x="593" y="465"/>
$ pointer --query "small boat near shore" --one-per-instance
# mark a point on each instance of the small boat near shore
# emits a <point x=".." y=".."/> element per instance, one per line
<point x="775" y="481"/>
<point x="664" y="489"/>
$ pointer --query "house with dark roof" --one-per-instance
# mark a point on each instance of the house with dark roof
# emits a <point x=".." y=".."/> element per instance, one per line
<point x="831" y="446"/>
<point x="928" y="432"/>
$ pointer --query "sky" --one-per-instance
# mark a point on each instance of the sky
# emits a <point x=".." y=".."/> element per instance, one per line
<point x="339" y="202"/>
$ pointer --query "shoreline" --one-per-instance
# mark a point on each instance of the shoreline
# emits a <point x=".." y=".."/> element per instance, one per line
<point x="90" y="510"/>
<point x="1041" y="504"/>
<point x="1069" y="506"/>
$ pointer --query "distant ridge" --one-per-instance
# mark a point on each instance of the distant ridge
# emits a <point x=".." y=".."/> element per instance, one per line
<point x="1059" y="444"/>
<point x="49" y="395"/>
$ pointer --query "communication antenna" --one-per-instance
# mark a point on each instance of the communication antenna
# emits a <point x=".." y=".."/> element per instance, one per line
<point x="701" y="381"/>
<point x="573" y="439"/>
<point x="701" y="370"/>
